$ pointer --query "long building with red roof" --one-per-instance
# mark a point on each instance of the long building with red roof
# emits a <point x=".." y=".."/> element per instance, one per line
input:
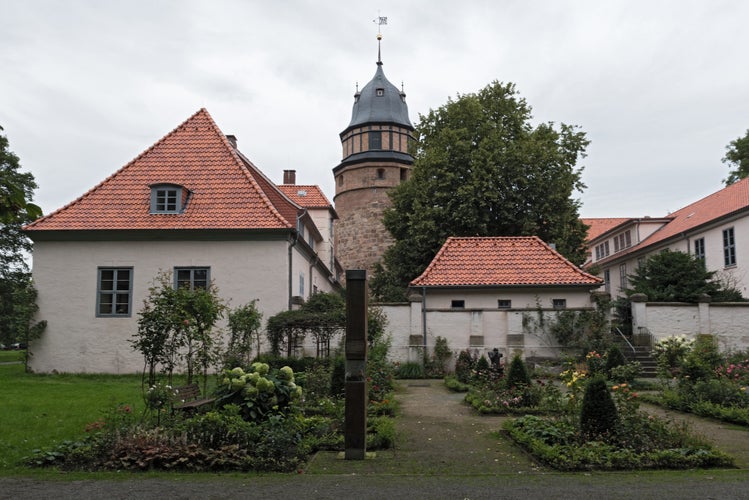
<point x="714" y="229"/>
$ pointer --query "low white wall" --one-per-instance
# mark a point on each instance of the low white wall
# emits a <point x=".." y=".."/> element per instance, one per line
<point x="729" y="322"/>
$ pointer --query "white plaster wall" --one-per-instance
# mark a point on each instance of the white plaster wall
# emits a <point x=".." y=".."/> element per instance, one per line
<point x="65" y="273"/>
<point x="667" y="319"/>
<point x="521" y="298"/>
<point x="730" y="324"/>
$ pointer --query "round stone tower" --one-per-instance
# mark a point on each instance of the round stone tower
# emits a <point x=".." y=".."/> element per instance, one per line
<point x="375" y="159"/>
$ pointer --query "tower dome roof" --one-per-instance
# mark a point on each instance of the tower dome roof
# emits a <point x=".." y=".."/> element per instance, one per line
<point x="380" y="102"/>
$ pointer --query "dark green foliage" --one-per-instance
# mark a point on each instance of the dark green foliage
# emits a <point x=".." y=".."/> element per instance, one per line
<point x="556" y="443"/>
<point x="702" y="360"/>
<point x="244" y="326"/>
<point x="482" y="365"/>
<point x="323" y="316"/>
<point x="436" y="365"/>
<point x="463" y="366"/>
<point x="338" y="376"/>
<point x="614" y="358"/>
<point x="17" y="293"/>
<point x="517" y="374"/>
<point x="587" y="329"/>
<point x="598" y="415"/>
<point x="177" y="324"/>
<point x="737" y="156"/>
<point x="410" y="370"/>
<point x="673" y="276"/>
<point x="483" y="169"/>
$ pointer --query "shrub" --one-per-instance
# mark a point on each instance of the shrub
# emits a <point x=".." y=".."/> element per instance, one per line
<point x="517" y="375"/>
<point x="670" y="353"/>
<point x="626" y="372"/>
<point x="598" y="415"/>
<point x="596" y="363"/>
<point x="702" y="360"/>
<point x="259" y="393"/>
<point x="614" y="359"/>
<point x="410" y="369"/>
<point x="382" y="434"/>
<point x="463" y="366"/>
<point x="338" y="376"/>
<point x="440" y="356"/>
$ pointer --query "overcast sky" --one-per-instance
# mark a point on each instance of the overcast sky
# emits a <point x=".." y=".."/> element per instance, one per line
<point x="660" y="87"/>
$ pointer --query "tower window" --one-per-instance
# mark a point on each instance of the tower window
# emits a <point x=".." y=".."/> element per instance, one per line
<point x="380" y="173"/>
<point x="380" y="92"/>
<point x="375" y="139"/>
<point x="340" y="180"/>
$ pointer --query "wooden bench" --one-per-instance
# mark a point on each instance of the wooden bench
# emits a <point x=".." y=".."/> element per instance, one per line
<point x="187" y="398"/>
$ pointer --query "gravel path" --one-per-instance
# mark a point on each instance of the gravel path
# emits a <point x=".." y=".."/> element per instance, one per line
<point x="445" y="451"/>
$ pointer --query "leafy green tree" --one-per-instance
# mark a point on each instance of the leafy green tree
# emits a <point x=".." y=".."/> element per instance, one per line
<point x="176" y="324"/>
<point x="673" y="276"/>
<point x="737" y="157"/>
<point x="482" y="169"/>
<point x="17" y="293"/>
<point x="323" y="316"/>
<point x="244" y="327"/>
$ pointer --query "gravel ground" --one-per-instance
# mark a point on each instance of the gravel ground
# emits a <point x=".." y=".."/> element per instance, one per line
<point x="445" y="451"/>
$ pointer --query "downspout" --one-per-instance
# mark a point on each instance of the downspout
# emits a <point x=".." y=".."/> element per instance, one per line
<point x="424" y="319"/>
<point x="294" y="238"/>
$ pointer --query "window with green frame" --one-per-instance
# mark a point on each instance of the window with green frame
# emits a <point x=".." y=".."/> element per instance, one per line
<point x="192" y="277"/>
<point x="114" y="291"/>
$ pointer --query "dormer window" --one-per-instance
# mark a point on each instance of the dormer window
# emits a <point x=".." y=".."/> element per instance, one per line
<point x="168" y="199"/>
<point x="380" y="92"/>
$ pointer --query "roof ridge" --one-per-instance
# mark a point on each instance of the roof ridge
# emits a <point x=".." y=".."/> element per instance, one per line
<point x="254" y="203"/>
<point x="119" y="170"/>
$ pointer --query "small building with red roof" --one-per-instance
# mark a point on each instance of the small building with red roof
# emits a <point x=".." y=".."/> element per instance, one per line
<point x="486" y="292"/>
<point x="192" y="205"/>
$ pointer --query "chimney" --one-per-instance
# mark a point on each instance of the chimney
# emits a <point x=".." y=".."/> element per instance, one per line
<point x="289" y="177"/>
<point x="232" y="140"/>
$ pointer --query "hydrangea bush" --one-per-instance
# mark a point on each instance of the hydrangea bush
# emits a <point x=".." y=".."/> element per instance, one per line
<point x="259" y="392"/>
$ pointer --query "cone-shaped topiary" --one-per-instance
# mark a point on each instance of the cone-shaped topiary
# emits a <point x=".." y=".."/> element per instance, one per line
<point x="598" y="415"/>
<point x="614" y="358"/>
<point x="463" y="366"/>
<point x="482" y="365"/>
<point x="517" y="375"/>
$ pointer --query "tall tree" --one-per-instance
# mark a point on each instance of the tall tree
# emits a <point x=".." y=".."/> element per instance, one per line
<point x="737" y="157"/>
<point x="17" y="295"/>
<point x="482" y="169"/>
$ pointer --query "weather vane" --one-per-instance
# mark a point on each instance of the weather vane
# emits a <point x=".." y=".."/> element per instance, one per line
<point x="380" y="21"/>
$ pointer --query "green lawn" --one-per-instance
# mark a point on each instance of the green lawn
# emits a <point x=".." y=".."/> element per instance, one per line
<point x="7" y="356"/>
<point x="39" y="411"/>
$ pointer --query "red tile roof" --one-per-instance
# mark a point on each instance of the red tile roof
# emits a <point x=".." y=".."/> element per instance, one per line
<point x="226" y="190"/>
<point x="501" y="261"/>
<point x="727" y="201"/>
<point x="307" y="196"/>
<point x="598" y="226"/>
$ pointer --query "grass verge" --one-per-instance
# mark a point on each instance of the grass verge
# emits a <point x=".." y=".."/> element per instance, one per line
<point x="41" y="411"/>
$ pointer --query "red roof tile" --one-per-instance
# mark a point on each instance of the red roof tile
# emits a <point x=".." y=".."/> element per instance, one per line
<point x="307" y="196"/>
<point x="598" y="226"/>
<point x="727" y="201"/>
<point x="501" y="261"/>
<point x="225" y="193"/>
